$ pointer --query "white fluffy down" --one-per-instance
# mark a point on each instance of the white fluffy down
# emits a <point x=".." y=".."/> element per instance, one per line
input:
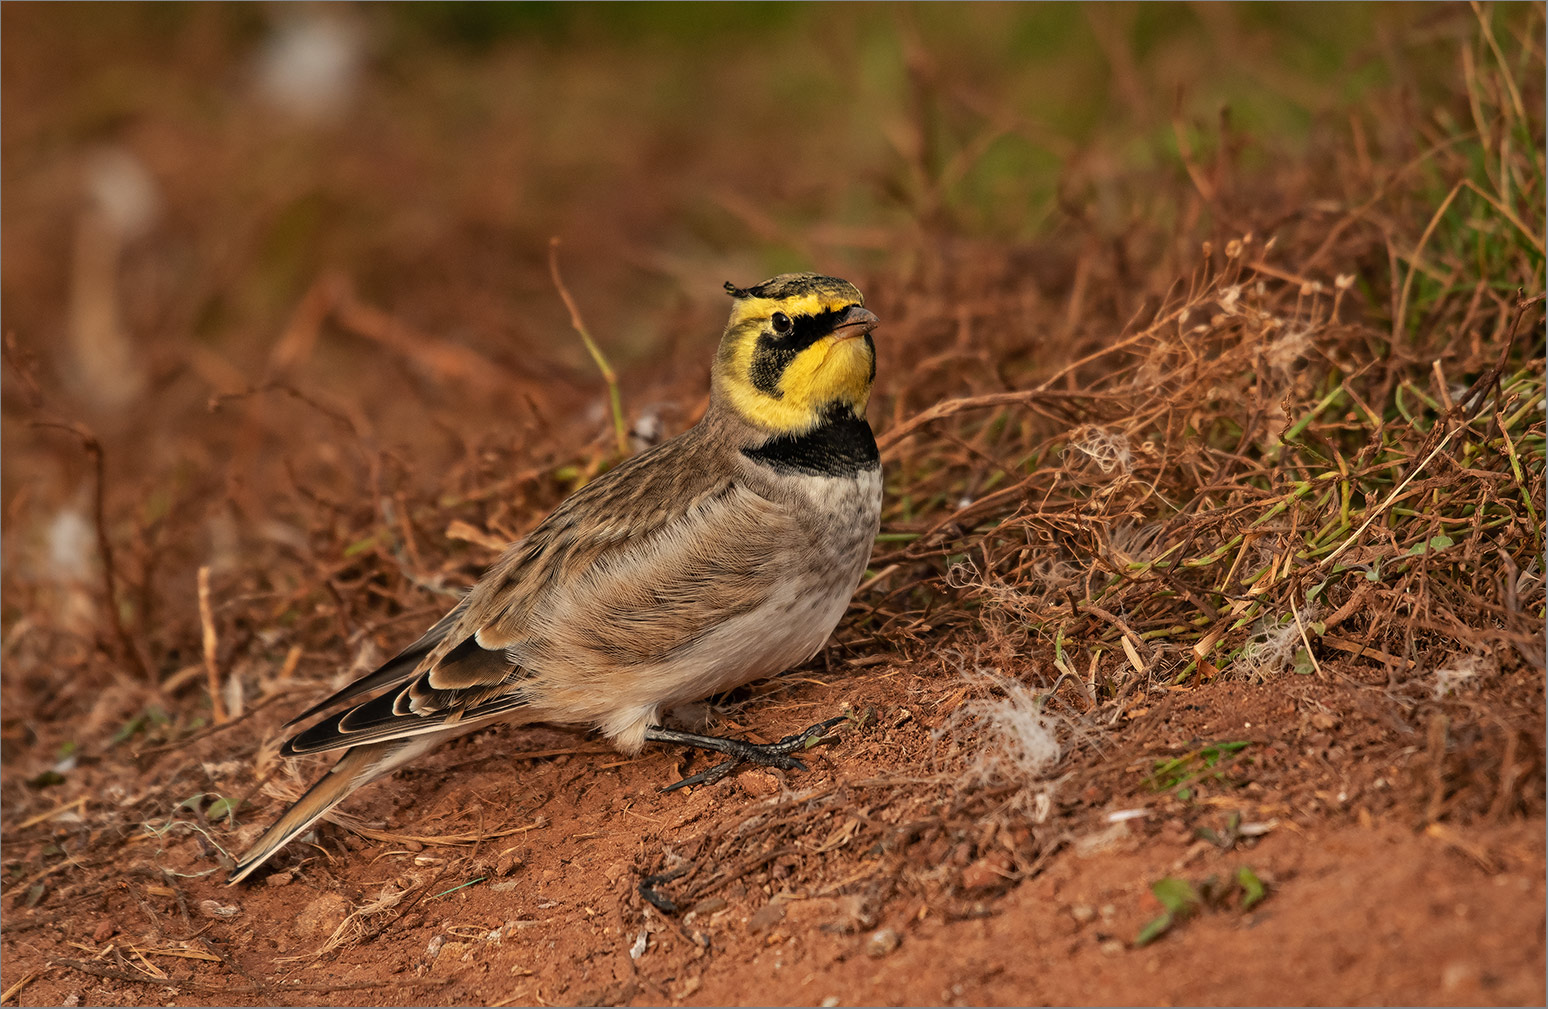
<point x="1017" y="741"/>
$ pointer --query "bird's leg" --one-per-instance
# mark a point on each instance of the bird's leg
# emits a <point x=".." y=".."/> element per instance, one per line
<point x="740" y="751"/>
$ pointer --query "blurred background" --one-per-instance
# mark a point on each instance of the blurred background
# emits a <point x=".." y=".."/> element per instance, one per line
<point x="179" y="176"/>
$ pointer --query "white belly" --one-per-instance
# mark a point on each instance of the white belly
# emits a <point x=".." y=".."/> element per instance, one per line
<point x="786" y="630"/>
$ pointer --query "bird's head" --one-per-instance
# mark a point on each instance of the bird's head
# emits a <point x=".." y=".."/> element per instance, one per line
<point x="797" y="348"/>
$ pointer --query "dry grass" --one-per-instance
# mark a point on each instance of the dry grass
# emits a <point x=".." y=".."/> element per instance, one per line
<point x="1148" y="522"/>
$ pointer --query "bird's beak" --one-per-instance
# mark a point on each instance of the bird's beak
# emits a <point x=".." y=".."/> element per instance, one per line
<point x="855" y="322"/>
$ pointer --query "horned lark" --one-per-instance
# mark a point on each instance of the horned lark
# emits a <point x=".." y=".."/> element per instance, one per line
<point x="724" y="555"/>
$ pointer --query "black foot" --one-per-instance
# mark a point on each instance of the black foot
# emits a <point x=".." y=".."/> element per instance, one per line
<point x="660" y="900"/>
<point x="740" y="751"/>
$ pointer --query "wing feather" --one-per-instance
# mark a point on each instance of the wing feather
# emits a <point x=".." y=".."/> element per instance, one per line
<point x="640" y="562"/>
<point x="395" y="670"/>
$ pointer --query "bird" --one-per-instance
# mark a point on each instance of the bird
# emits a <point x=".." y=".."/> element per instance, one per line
<point x="724" y="555"/>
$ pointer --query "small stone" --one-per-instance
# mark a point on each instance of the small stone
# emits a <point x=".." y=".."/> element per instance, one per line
<point x="1083" y="913"/>
<point x="279" y="878"/>
<point x="411" y="846"/>
<point x="767" y="916"/>
<point x="709" y="905"/>
<point x="1111" y="947"/>
<point x="759" y="784"/>
<point x="413" y="920"/>
<point x="215" y="909"/>
<point x="322" y="915"/>
<point x="104" y="930"/>
<point x="881" y="942"/>
<point x="1107" y="911"/>
<point x="433" y="947"/>
<point x="689" y="987"/>
<point x="986" y="873"/>
<point x="1457" y="975"/>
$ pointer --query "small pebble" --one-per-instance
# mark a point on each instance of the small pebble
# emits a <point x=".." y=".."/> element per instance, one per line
<point x="279" y="878"/>
<point x="986" y="873"/>
<point x="1457" y="975"/>
<point x="882" y="942"/>
<point x="759" y="784"/>
<point x="1111" y="947"/>
<point x="767" y="916"/>
<point x="324" y="914"/>
<point x="104" y="931"/>
<point x="1083" y="913"/>
<point x="709" y="905"/>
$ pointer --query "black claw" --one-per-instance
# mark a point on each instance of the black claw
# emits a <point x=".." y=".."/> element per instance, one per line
<point x="660" y="900"/>
<point x="739" y="751"/>
<point x="808" y="737"/>
<point x="708" y="776"/>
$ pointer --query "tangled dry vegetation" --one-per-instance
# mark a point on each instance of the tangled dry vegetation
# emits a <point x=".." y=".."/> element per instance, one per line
<point x="1242" y="464"/>
<point x="1306" y="440"/>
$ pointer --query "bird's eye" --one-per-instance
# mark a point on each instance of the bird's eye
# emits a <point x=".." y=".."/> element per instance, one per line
<point x="782" y="323"/>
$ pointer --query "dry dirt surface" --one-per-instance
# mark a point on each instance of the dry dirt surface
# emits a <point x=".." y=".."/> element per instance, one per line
<point x="1201" y="655"/>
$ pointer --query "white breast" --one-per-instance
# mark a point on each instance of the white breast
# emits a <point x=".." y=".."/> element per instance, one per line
<point x="786" y="630"/>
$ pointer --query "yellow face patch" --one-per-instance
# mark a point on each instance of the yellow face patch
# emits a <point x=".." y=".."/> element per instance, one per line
<point x="814" y="303"/>
<point x="784" y="364"/>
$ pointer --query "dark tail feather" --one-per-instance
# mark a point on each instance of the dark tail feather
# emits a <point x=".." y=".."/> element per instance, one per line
<point x="358" y="766"/>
